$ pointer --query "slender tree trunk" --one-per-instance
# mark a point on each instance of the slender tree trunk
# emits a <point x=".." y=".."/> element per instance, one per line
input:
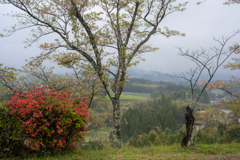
<point x="187" y="140"/>
<point x="117" y="133"/>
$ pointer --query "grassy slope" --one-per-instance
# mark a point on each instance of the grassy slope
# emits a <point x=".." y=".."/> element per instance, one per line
<point x="211" y="152"/>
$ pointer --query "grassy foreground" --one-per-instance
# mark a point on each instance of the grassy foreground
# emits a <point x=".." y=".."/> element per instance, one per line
<point x="198" y="152"/>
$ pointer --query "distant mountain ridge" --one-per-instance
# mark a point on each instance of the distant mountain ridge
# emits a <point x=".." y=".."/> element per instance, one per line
<point x="156" y="76"/>
<point x="153" y="76"/>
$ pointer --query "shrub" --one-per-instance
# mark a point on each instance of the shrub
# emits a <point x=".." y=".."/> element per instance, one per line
<point x="11" y="134"/>
<point x="51" y="121"/>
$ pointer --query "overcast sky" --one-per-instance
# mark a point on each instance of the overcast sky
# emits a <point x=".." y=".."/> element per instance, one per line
<point x="200" y="23"/>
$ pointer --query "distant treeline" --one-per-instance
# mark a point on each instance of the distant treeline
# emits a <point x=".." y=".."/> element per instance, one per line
<point x="147" y="86"/>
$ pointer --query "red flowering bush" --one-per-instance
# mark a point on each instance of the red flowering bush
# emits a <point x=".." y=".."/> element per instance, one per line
<point x="52" y="122"/>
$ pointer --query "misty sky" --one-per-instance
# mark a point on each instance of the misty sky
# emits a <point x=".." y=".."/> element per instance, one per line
<point x="200" y="23"/>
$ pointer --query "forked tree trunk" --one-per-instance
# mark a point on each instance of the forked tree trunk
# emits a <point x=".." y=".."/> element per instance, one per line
<point x="187" y="140"/>
<point x="117" y="135"/>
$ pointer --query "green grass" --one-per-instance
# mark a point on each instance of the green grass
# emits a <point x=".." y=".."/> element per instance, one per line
<point x="198" y="152"/>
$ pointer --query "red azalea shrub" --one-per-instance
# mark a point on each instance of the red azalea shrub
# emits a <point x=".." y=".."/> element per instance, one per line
<point x="51" y="121"/>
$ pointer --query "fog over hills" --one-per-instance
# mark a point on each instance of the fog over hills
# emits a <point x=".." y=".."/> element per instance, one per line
<point x="152" y="75"/>
<point x="158" y="76"/>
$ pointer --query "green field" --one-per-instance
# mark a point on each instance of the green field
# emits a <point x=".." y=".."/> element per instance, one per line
<point x="217" y="91"/>
<point x="132" y="96"/>
<point x="148" y="85"/>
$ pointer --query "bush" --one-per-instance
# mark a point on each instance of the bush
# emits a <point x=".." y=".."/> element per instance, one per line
<point x="11" y="134"/>
<point x="50" y="120"/>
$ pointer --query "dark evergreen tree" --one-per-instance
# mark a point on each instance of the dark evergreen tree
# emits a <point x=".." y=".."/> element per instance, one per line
<point x="167" y="132"/>
<point x="163" y="100"/>
<point x="150" y="123"/>
<point x="132" y="124"/>
<point x="137" y="130"/>
<point x="183" y="95"/>
<point x="170" y="121"/>
<point x="163" y="111"/>
<point x="158" y="118"/>
<point x="149" y="119"/>
<point x="205" y="97"/>
<point x="155" y="103"/>
<point x="145" y="124"/>
<point x="159" y="102"/>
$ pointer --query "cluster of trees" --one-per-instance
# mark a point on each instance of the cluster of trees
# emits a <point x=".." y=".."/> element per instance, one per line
<point x="162" y="112"/>
<point x="211" y="134"/>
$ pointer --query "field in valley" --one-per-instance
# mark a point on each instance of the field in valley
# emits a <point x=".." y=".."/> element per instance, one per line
<point x="127" y="96"/>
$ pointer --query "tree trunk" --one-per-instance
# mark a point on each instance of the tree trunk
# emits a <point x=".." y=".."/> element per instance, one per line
<point x="187" y="140"/>
<point x="117" y="135"/>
